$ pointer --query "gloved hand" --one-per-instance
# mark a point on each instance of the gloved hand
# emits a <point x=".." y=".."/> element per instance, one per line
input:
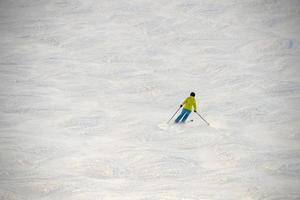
<point x="195" y="111"/>
<point x="181" y="106"/>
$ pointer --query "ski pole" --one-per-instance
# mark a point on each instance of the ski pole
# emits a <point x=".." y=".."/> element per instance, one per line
<point x="202" y="118"/>
<point x="174" y="114"/>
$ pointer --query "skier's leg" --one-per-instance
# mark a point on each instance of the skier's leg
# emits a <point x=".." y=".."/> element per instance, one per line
<point x="180" y="116"/>
<point x="186" y="116"/>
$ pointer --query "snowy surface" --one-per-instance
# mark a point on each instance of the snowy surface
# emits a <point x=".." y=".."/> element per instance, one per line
<point x="87" y="86"/>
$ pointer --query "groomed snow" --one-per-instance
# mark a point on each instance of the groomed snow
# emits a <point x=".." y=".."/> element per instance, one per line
<point x="87" y="86"/>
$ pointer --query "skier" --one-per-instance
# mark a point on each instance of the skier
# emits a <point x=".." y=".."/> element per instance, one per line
<point x="188" y="104"/>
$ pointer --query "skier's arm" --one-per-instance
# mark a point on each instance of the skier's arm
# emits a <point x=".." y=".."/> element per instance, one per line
<point x="184" y="102"/>
<point x="195" y="106"/>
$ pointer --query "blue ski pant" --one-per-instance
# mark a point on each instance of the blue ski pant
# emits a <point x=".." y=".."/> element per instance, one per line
<point x="183" y="115"/>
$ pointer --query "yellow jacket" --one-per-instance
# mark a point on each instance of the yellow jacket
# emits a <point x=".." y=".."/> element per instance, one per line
<point x="189" y="103"/>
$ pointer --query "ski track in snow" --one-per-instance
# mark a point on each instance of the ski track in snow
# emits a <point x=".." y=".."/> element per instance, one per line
<point x="86" y="89"/>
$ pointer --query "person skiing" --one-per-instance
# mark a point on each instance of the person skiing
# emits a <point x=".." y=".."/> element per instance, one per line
<point x="188" y="104"/>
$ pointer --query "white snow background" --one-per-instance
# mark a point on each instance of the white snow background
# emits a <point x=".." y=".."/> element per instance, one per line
<point x="87" y="86"/>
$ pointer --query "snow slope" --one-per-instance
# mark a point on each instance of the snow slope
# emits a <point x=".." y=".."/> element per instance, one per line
<point x="86" y="89"/>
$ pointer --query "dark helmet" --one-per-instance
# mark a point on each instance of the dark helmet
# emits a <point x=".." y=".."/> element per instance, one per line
<point x="192" y="94"/>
